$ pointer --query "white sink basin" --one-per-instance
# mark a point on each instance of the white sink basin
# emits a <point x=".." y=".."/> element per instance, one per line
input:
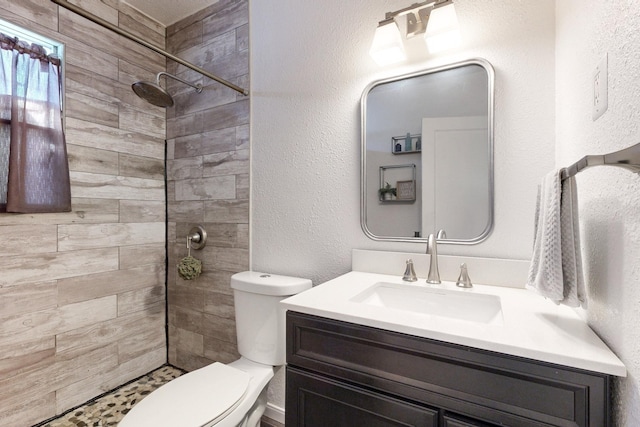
<point x="459" y="305"/>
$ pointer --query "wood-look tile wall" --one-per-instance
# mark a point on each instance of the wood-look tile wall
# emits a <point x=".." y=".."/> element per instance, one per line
<point x="208" y="181"/>
<point x="82" y="295"/>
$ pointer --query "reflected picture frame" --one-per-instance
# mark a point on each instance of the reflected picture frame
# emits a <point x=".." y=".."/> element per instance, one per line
<point x="406" y="190"/>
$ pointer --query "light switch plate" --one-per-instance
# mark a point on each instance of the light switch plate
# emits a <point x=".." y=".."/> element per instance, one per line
<point x="600" y="89"/>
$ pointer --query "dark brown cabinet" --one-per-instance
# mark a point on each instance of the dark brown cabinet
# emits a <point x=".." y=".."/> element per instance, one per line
<point x="344" y="374"/>
<point x="324" y="402"/>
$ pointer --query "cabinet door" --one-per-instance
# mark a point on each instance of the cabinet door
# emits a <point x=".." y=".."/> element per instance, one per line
<point x="315" y="401"/>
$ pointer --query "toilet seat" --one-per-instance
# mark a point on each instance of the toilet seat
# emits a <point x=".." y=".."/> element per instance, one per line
<point x="195" y="399"/>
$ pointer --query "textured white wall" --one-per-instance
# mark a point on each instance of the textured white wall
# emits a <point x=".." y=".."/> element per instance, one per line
<point x="309" y="66"/>
<point x="609" y="198"/>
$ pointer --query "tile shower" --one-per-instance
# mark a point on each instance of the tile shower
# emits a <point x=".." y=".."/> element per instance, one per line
<point x="82" y="294"/>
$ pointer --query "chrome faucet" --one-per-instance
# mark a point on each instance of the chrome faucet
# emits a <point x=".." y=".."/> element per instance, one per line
<point x="432" y="249"/>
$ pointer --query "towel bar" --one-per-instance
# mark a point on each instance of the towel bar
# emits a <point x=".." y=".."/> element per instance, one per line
<point x="628" y="158"/>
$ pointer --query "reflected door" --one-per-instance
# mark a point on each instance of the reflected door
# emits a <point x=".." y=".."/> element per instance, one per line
<point x="455" y="155"/>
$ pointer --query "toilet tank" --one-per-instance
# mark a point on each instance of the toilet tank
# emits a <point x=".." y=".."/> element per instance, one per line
<point x="260" y="321"/>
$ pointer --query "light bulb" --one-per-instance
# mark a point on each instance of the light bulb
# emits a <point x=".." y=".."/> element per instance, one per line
<point x="443" y="31"/>
<point x="387" y="47"/>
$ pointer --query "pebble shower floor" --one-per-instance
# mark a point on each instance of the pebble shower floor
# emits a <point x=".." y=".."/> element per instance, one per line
<point x="109" y="409"/>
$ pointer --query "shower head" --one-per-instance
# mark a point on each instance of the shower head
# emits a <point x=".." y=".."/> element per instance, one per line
<point x="152" y="93"/>
<point x="156" y="94"/>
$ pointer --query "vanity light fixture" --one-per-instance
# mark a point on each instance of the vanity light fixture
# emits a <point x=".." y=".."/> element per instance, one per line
<point x="387" y="47"/>
<point x="436" y="20"/>
<point x="443" y="31"/>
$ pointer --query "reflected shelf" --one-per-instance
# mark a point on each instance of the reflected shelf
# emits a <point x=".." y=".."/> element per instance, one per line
<point x="406" y="144"/>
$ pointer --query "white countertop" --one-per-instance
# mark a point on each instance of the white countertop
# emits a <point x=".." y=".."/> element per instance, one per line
<point x="531" y="326"/>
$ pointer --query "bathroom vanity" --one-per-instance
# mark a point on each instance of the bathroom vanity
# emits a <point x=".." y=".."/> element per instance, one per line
<point x="355" y="357"/>
<point x="343" y="374"/>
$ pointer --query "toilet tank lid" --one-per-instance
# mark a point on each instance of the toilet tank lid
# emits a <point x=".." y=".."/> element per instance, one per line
<point x="268" y="284"/>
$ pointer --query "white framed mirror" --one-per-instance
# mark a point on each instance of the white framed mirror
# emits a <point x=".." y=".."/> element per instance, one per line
<point x="438" y="125"/>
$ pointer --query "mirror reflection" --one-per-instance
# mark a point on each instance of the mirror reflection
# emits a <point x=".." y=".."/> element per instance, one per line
<point x="427" y="155"/>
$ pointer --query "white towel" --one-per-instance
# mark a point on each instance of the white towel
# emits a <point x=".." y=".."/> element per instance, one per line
<point x="556" y="266"/>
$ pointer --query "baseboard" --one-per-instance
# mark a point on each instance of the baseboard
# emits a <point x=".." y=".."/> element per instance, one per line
<point x="274" y="412"/>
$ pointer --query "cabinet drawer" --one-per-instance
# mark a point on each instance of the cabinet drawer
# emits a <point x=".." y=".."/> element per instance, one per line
<point x="314" y="401"/>
<point x="453" y="421"/>
<point x="484" y="385"/>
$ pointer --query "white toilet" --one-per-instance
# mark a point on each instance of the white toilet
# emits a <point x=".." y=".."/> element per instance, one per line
<point x="235" y="394"/>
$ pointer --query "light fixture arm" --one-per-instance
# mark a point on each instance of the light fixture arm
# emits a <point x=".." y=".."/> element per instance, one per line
<point x="408" y="9"/>
<point x="403" y="11"/>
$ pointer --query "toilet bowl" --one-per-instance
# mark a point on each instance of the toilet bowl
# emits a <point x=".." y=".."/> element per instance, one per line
<point x="234" y="394"/>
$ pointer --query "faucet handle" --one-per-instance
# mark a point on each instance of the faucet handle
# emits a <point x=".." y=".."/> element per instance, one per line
<point x="463" y="280"/>
<point x="409" y="272"/>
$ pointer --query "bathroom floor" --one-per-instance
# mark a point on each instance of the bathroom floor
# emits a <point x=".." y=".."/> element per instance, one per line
<point x="109" y="409"/>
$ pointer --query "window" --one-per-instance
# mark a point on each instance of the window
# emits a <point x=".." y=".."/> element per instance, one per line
<point x="34" y="170"/>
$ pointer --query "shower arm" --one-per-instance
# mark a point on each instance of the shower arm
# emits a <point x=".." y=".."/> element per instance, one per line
<point x="126" y="34"/>
<point x="197" y="87"/>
